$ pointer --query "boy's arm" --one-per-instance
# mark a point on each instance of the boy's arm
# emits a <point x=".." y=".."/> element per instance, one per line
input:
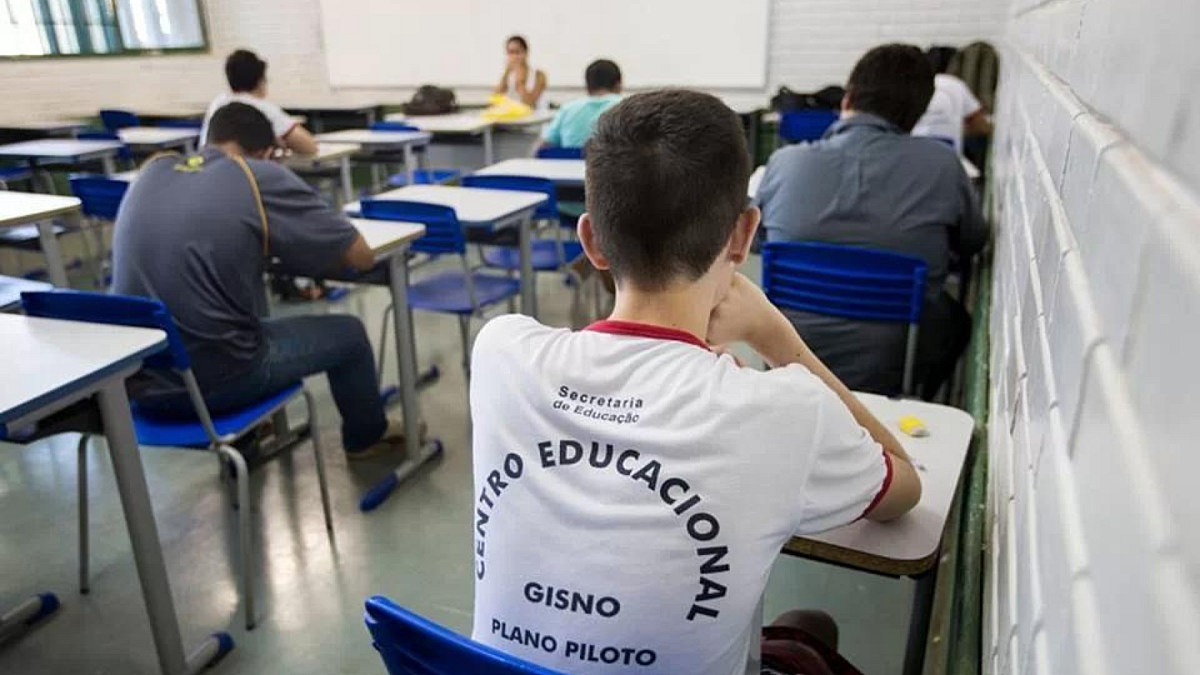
<point x="746" y="315"/>
<point x="300" y="140"/>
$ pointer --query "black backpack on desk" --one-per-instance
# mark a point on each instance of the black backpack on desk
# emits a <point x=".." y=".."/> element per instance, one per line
<point x="431" y="100"/>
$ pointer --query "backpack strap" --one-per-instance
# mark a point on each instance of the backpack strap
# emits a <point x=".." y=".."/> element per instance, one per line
<point x="262" y="212"/>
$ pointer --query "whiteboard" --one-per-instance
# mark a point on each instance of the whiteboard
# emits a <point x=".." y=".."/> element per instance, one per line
<point x="405" y="43"/>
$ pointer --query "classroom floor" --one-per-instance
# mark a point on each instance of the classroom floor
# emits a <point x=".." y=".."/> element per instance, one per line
<point x="416" y="548"/>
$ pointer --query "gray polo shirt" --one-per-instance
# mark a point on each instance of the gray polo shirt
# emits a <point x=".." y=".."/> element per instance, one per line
<point x="189" y="234"/>
<point x="869" y="184"/>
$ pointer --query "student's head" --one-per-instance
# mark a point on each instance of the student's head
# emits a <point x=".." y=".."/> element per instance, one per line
<point x="517" y="49"/>
<point x="246" y="72"/>
<point x="940" y="57"/>
<point x="666" y="192"/>
<point x="241" y="129"/>
<point x="892" y="81"/>
<point x="603" y="76"/>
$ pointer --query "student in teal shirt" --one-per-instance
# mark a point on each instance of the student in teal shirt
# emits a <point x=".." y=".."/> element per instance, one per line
<point x="573" y="124"/>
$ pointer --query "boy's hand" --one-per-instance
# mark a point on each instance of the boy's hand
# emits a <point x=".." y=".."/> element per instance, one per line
<point x="746" y="315"/>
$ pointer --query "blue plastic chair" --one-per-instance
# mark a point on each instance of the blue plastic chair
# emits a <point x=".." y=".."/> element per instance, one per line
<point x="420" y="176"/>
<point x="114" y="120"/>
<point x="798" y="126"/>
<point x="204" y="431"/>
<point x="553" y="152"/>
<point x="14" y="174"/>
<point x="548" y="255"/>
<point x="848" y="282"/>
<point x="413" y="645"/>
<point x="463" y="293"/>
<point x="100" y="198"/>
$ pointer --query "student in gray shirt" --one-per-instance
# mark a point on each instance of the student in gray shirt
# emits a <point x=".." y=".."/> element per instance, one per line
<point x="198" y="232"/>
<point x="869" y="183"/>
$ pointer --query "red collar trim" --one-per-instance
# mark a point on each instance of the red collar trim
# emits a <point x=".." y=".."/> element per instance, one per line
<point x="646" y="330"/>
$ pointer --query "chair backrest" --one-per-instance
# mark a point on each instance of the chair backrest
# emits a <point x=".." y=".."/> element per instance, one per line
<point x="119" y="119"/>
<point x="182" y="124"/>
<point x="393" y="126"/>
<point x="412" y="645"/>
<point x="443" y="233"/>
<point x="104" y="135"/>
<point x="121" y="310"/>
<point x="844" y="281"/>
<point x="805" y="125"/>
<point x="548" y="210"/>
<point x="553" y="152"/>
<point x="101" y="197"/>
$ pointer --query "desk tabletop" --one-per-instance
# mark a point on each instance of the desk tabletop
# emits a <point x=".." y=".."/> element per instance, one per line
<point x="326" y="152"/>
<point x="454" y="123"/>
<point x="385" y="236"/>
<point x="22" y="208"/>
<point x="60" y="147"/>
<point x="156" y="135"/>
<point x="534" y="118"/>
<point x="372" y="137"/>
<point x="310" y="106"/>
<point x="910" y="544"/>
<point x="755" y="181"/>
<point x="11" y="289"/>
<point x="968" y="166"/>
<point x="47" y="358"/>
<point x="474" y="206"/>
<point x="46" y="126"/>
<point x="560" y="171"/>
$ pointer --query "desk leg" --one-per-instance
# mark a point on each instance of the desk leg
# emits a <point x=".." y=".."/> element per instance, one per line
<point x="143" y="534"/>
<point x="410" y="164"/>
<point x="528" y="281"/>
<point x="109" y="165"/>
<point x="918" y="623"/>
<point x="54" y="261"/>
<point x="489" y="148"/>
<point x="416" y="450"/>
<point x="347" y="181"/>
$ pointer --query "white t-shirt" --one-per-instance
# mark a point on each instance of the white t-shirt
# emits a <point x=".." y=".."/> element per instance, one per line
<point x="281" y="122"/>
<point x="951" y="105"/>
<point x="632" y="490"/>
<point x="531" y="81"/>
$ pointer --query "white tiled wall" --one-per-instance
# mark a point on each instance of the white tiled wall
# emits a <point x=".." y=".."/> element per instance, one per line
<point x="812" y="43"/>
<point x="1095" y="554"/>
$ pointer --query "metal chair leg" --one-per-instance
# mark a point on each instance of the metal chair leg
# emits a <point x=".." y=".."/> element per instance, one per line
<point x="81" y="474"/>
<point x="245" y="552"/>
<point x="464" y="331"/>
<point x="314" y="433"/>
<point x="383" y="333"/>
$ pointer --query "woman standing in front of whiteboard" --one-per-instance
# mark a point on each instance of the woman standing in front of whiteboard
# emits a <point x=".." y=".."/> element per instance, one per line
<point x="521" y="81"/>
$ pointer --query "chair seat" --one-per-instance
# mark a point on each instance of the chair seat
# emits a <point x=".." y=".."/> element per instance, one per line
<point x="425" y="177"/>
<point x="25" y="236"/>
<point x="544" y="253"/>
<point x="15" y="173"/>
<point x="188" y="433"/>
<point x="447" y="292"/>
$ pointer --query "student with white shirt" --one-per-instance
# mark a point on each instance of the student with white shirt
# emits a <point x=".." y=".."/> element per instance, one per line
<point x="521" y="81"/>
<point x="953" y="110"/>
<point x="247" y="76"/>
<point x="634" y="484"/>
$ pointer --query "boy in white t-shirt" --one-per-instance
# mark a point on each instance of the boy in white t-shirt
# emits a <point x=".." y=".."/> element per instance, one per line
<point x="633" y="487"/>
<point x="247" y="76"/>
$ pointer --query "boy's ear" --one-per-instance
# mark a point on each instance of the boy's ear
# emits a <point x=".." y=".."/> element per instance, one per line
<point x="587" y="237"/>
<point x="742" y="237"/>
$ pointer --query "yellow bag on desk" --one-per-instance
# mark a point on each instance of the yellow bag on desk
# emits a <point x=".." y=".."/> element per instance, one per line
<point x="504" y="109"/>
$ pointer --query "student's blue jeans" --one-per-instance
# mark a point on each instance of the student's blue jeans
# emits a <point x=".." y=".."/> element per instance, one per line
<point x="297" y="347"/>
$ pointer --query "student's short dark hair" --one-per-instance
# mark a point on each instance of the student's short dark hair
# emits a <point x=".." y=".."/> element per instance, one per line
<point x="243" y="124"/>
<point x="244" y="70"/>
<point x="602" y="75"/>
<point x="892" y="81"/>
<point x="519" y="40"/>
<point x="667" y="173"/>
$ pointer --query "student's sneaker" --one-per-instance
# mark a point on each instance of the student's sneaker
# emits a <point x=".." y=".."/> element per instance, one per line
<point x="392" y="442"/>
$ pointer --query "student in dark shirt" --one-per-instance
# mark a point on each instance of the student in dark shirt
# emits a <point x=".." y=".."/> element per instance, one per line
<point x="869" y="183"/>
<point x="197" y="233"/>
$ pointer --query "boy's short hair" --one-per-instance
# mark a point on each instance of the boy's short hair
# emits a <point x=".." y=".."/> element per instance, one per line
<point x="667" y="173"/>
<point x="244" y="70"/>
<point x="242" y="124"/>
<point x="893" y="81"/>
<point x="602" y="75"/>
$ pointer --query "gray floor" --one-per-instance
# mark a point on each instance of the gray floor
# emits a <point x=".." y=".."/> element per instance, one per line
<point x="415" y="548"/>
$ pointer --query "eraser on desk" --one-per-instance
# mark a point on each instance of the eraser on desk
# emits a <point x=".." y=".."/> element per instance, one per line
<point x="913" y="426"/>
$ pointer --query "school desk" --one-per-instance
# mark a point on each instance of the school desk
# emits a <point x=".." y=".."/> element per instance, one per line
<point x="907" y="546"/>
<point x="561" y="172"/>
<point x="51" y="368"/>
<point x="11" y="289"/>
<point x="327" y="156"/>
<point x="454" y="124"/>
<point x="154" y="139"/>
<point x="477" y="207"/>
<point x="534" y="119"/>
<point x="39" y="152"/>
<point x="319" y="112"/>
<point x="46" y="127"/>
<point x="18" y="209"/>
<point x="382" y="141"/>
